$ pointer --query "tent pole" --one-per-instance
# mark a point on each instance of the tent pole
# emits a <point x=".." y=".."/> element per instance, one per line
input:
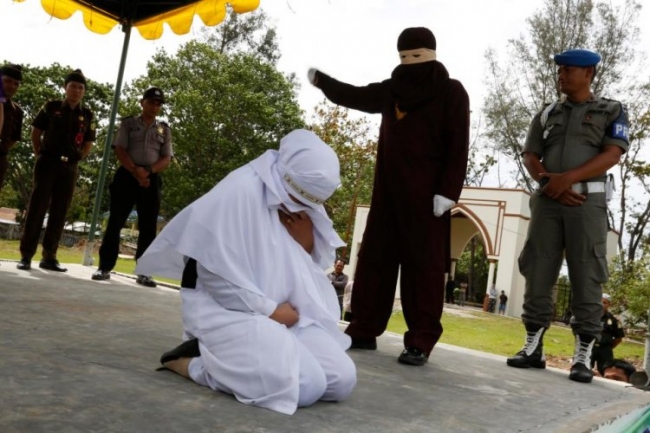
<point x="88" y="252"/>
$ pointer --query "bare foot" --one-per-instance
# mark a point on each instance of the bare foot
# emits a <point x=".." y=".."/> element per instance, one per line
<point x="179" y="366"/>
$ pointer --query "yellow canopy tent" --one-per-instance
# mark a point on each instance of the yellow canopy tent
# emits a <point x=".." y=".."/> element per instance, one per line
<point x="148" y="16"/>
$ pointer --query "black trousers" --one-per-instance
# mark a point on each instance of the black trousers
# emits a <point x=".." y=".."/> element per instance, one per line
<point x="126" y="193"/>
<point x="600" y="355"/>
<point x="4" y="164"/>
<point x="54" y="183"/>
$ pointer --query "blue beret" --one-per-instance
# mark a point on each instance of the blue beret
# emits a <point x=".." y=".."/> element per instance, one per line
<point x="581" y="58"/>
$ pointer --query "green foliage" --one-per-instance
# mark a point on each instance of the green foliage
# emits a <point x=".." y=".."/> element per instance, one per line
<point x="629" y="287"/>
<point x="356" y="151"/>
<point x="226" y="104"/>
<point x="473" y="269"/>
<point x="39" y="85"/>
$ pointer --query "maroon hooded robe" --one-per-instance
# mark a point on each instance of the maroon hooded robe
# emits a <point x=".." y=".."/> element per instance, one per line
<point x="420" y="155"/>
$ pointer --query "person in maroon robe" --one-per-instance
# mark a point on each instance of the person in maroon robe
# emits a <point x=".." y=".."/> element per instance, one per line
<point x="419" y="174"/>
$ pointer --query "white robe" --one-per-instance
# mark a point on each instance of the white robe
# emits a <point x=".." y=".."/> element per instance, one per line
<point x="249" y="264"/>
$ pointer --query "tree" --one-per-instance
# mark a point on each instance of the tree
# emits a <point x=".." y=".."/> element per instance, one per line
<point x="39" y="85"/>
<point x="629" y="286"/>
<point x="357" y="152"/>
<point x="226" y="104"/>
<point x="519" y="89"/>
<point x="528" y="81"/>
<point x="481" y="159"/>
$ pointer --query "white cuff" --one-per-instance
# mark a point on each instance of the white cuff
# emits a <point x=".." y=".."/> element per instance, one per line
<point x="311" y="74"/>
<point x="441" y="205"/>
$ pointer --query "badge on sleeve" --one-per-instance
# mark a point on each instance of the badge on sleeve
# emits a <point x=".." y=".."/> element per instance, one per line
<point x="620" y="130"/>
<point x="619" y="127"/>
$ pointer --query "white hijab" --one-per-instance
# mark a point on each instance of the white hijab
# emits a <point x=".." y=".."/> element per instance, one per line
<point x="231" y="229"/>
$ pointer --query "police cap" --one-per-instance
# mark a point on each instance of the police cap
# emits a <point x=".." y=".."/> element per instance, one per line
<point x="580" y="58"/>
<point x="154" y="93"/>
<point x="76" y="76"/>
<point x="13" y="71"/>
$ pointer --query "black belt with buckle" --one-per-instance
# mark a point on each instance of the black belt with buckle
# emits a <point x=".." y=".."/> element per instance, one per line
<point x="62" y="158"/>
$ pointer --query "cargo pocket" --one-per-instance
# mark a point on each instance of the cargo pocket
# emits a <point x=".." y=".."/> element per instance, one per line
<point x="600" y="270"/>
<point x="525" y="259"/>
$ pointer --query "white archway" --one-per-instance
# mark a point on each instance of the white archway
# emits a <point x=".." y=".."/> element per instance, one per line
<point x="501" y="216"/>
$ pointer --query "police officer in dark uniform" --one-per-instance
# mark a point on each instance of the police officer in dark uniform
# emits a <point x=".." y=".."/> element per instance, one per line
<point x="569" y="148"/>
<point x="610" y="337"/>
<point x="62" y="135"/>
<point x="144" y="148"/>
<point x="10" y="133"/>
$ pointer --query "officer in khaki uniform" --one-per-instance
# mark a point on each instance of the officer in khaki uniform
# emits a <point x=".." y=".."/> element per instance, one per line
<point x="569" y="148"/>
<point x="10" y="132"/>
<point x="144" y="148"/>
<point x="62" y="135"/>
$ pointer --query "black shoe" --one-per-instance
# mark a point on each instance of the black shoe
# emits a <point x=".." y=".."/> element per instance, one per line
<point x="187" y="349"/>
<point x="413" y="356"/>
<point x="100" y="275"/>
<point x="580" y="371"/>
<point x="145" y="281"/>
<point x="532" y="354"/>
<point x="52" y="265"/>
<point x="364" y="343"/>
<point x="24" y="264"/>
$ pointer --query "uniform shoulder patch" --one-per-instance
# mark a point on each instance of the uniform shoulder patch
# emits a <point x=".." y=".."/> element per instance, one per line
<point x="619" y="128"/>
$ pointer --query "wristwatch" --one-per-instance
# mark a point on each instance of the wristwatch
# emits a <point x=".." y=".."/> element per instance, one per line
<point x="149" y="169"/>
<point x="543" y="181"/>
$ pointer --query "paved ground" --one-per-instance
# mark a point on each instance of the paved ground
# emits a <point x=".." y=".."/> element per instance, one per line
<point x="80" y="356"/>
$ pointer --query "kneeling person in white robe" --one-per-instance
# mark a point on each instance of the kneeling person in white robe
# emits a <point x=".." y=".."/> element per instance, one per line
<point x="259" y="316"/>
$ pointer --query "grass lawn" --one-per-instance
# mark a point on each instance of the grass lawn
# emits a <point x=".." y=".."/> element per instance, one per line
<point x="501" y="335"/>
<point x="9" y="250"/>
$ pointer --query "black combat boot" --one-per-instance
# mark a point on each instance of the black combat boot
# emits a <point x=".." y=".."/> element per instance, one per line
<point x="580" y="371"/>
<point x="532" y="354"/>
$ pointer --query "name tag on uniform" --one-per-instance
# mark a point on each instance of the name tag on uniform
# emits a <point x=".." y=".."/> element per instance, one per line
<point x="620" y="130"/>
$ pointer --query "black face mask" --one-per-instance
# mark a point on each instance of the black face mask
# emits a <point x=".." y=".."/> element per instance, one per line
<point x="415" y="84"/>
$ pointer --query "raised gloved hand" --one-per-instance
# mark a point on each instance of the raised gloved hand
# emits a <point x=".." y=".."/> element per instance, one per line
<point x="311" y="74"/>
<point x="441" y="205"/>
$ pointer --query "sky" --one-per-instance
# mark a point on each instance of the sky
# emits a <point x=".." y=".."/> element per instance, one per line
<point x="354" y="41"/>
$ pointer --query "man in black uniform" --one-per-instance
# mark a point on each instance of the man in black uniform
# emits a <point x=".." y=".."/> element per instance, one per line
<point x="144" y="148"/>
<point x="10" y="132"/>
<point x="610" y="337"/>
<point x="62" y="135"/>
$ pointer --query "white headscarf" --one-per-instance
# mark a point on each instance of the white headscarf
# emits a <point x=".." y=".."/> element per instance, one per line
<point x="308" y="167"/>
<point x="210" y="228"/>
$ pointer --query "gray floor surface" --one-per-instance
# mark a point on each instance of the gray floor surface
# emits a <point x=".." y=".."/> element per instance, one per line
<point x="80" y="356"/>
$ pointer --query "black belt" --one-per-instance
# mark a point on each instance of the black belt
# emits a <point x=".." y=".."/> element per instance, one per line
<point x="61" y="157"/>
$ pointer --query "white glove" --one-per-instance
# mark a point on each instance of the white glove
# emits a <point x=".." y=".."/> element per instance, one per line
<point x="441" y="205"/>
<point x="311" y="74"/>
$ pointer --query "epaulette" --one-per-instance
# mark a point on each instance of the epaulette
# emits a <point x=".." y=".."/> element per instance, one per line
<point x="126" y="118"/>
<point x="164" y="123"/>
